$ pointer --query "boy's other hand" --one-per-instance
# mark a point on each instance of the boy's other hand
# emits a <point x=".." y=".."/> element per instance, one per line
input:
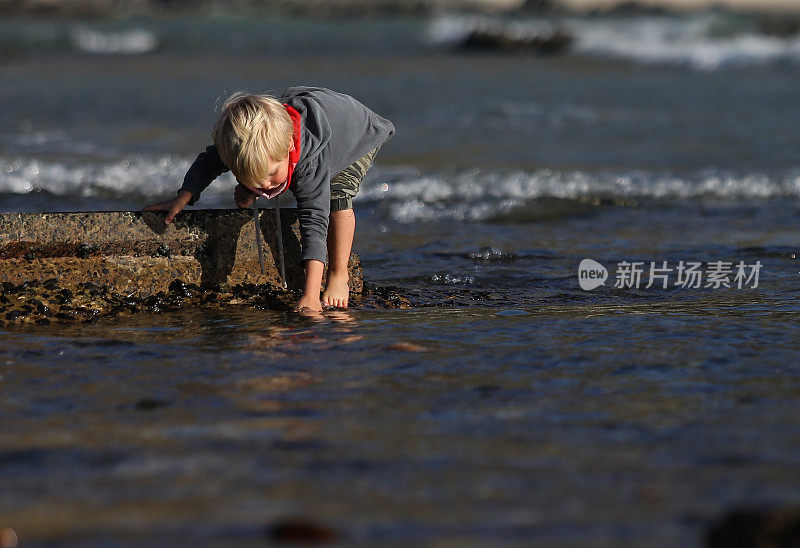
<point x="242" y="196"/>
<point x="172" y="206"/>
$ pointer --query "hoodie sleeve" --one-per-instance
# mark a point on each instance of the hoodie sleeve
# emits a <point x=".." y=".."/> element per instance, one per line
<point x="311" y="189"/>
<point x="206" y="167"/>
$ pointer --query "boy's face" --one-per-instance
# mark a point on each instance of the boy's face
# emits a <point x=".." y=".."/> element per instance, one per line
<point x="278" y="172"/>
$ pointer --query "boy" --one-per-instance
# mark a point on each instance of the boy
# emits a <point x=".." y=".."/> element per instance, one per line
<point x="313" y="141"/>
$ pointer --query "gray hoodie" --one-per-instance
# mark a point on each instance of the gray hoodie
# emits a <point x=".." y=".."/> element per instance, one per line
<point x="337" y="130"/>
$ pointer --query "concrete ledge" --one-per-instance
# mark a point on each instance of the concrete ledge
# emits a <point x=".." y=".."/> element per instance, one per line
<point x="134" y="253"/>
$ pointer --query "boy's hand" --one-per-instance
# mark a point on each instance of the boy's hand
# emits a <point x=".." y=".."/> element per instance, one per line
<point x="310" y="302"/>
<point x="242" y="196"/>
<point x="173" y="206"/>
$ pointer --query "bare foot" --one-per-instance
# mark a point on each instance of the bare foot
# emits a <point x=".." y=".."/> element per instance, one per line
<point x="337" y="292"/>
<point x="309" y="313"/>
<point x="309" y="304"/>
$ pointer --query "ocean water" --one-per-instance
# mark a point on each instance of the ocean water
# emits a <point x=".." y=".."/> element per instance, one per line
<point x="508" y="404"/>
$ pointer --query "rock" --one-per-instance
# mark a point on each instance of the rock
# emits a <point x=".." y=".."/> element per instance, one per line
<point x="404" y="346"/>
<point x="501" y="39"/>
<point x="163" y="251"/>
<point x="540" y="6"/>
<point x="15" y="315"/>
<point x="148" y="404"/>
<point x="85" y="250"/>
<point x="757" y="528"/>
<point x="779" y="25"/>
<point x="300" y="530"/>
<point x="136" y="253"/>
<point x="630" y="8"/>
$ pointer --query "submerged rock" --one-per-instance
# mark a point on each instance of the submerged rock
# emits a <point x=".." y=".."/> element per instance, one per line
<point x="148" y="404"/>
<point x="300" y="530"/>
<point x="42" y="303"/>
<point x="757" y="527"/>
<point x="382" y="297"/>
<point x="404" y="346"/>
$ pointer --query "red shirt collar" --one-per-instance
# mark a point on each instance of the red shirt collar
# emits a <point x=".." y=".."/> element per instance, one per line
<point x="294" y="155"/>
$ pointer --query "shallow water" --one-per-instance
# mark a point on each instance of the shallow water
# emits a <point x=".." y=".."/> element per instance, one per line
<point x="572" y="424"/>
<point x="508" y="404"/>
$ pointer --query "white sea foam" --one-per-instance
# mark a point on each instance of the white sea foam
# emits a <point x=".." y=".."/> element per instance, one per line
<point x="404" y="194"/>
<point x="693" y="40"/>
<point x="126" y="42"/>
<point x="476" y="196"/>
<point x="679" y="41"/>
<point x="135" y="177"/>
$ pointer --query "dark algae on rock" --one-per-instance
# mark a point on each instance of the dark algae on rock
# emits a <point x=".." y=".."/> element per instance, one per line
<point x="41" y="303"/>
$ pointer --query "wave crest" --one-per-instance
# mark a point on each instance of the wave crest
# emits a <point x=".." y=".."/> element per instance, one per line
<point x="405" y="195"/>
<point x="478" y="196"/>
<point x="127" y="42"/>
<point x="704" y="41"/>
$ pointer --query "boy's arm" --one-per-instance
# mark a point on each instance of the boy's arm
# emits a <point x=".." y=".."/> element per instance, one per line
<point x="311" y="189"/>
<point x="173" y="206"/>
<point x="312" y="286"/>
<point x="207" y="166"/>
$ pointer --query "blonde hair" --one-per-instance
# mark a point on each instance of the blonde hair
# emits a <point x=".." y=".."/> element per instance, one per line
<point x="250" y="129"/>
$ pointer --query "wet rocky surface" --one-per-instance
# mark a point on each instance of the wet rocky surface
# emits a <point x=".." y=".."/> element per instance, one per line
<point x="43" y="303"/>
<point x="134" y="251"/>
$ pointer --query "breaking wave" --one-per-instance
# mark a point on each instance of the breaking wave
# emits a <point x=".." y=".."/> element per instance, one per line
<point x="479" y="196"/>
<point x="706" y="42"/>
<point x="125" y="42"/>
<point x="405" y="195"/>
<point x="695" y="42"/>
<point x="138" y="179"/>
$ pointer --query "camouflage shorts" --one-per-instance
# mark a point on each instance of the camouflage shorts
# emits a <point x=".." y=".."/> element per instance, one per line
<point x="344" y="186"/>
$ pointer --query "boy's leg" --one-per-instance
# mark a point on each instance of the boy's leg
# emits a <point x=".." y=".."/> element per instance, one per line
<point x="341" y="229"/>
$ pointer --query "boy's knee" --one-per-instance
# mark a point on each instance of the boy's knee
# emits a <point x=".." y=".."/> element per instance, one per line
<point x="343" y="214"/>
<point x="344" y="186"/>
<point x="342" y="203"/>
